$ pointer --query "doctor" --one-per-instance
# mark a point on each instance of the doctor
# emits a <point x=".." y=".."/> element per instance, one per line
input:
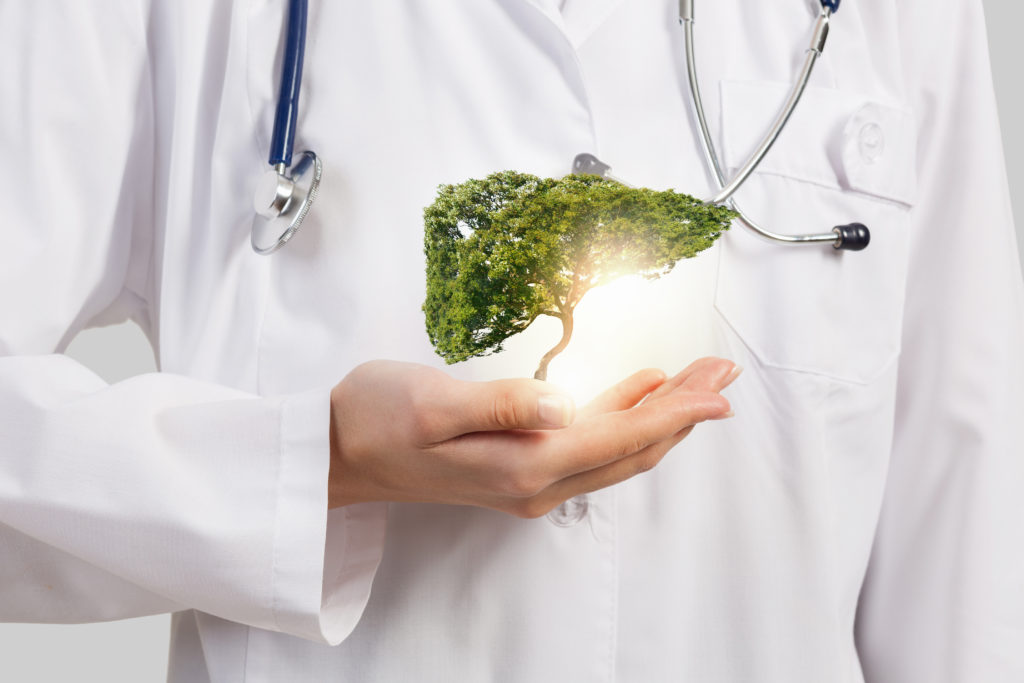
<point x="859" y="519"/>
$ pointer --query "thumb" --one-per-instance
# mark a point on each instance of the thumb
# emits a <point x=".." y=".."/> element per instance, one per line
<point x="510" y="404"/>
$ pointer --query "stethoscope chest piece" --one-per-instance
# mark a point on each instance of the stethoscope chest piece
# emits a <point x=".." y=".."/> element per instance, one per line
<point x="282" y="201"/>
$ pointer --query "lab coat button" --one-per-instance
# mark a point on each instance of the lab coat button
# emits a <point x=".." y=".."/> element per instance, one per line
<point x="872" y="142"/>
<point x="570" y="512"/>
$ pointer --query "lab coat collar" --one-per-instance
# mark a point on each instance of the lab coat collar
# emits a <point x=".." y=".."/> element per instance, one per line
<point x="577" y="19"/>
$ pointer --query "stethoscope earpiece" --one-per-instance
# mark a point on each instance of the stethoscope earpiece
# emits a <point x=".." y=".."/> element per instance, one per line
<point x="852" y="237"/>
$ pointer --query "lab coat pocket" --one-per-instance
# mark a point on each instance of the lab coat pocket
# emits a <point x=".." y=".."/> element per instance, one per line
<point x="842" y="159"/>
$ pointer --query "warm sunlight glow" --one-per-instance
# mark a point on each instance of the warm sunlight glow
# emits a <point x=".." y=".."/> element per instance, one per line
<point x="605" y="328"/>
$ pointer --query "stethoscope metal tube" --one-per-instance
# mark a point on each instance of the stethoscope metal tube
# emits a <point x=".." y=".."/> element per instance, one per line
<point x="284" y="195"/>
<point x="820" y="33"/>
<point x="853" y="237"/>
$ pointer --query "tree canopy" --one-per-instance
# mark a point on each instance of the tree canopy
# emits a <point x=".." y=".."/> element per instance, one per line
<point x="506" y="249"/>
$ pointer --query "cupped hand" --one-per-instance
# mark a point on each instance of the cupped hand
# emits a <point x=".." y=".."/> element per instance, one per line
<point x="411" y="433"/>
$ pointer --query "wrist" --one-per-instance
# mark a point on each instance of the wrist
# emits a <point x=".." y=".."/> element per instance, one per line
<point x="343" y="485"/>
<point x="336" y="495"/>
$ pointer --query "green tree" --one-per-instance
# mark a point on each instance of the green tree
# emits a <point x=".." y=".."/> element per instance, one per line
<point x="506" y="249"/>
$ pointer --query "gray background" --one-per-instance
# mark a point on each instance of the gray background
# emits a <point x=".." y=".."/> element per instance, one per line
<point x="135" y="650"/>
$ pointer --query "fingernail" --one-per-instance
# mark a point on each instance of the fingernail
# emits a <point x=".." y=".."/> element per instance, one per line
<point x="725" y="416"/>
<point x="555" y="410"/>
<point x="736" y="371"/>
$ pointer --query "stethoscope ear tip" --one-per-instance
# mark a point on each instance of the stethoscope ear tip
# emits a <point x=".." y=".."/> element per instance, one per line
<point x="852" y="237"/>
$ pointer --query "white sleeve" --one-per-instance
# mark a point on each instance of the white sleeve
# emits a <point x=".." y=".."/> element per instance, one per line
<point x="161" y="492"/>
<point x="943" y="600"/>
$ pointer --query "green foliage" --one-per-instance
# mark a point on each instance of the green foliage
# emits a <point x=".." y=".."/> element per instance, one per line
<point x="506" y="249"/>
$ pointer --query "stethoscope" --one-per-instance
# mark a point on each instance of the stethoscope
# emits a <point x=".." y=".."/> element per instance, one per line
<point x="284" y="195"/>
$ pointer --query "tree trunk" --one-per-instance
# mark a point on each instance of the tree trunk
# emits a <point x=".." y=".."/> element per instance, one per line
<point x="542" y="369"/>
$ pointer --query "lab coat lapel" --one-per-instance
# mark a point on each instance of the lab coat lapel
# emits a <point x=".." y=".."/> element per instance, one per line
<point x="577" y="19"/>
<point x="550" y="9"/>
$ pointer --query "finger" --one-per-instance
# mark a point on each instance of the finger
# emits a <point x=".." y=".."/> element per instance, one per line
<point x="504" y="404"/>
<point x="606" y="438"/>
<point x="705" y="374"/>
<point x="683" y="375"/>
<point x="714" y="375"/>
<point x="626" y="393"/>
<point x="523" y="463"/>
<point x="610" y="474"/>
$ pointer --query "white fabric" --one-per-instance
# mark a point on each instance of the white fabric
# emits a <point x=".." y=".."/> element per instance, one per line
<point x="861" y="517"/>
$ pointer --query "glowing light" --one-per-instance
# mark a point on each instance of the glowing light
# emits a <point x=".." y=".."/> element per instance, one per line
<point x="604" y="345"/>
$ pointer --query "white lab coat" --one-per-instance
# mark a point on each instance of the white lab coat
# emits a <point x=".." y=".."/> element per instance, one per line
<point x="860" y="519"/>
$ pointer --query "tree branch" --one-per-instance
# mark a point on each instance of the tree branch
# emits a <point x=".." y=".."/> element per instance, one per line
<point x="542" y="369"/>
